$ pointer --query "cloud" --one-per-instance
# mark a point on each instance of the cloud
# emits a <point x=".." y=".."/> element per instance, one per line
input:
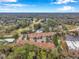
<point x="64" y="1"/>
<point x="5" y="9"/>
<point x="66" y="8"/>
<point x="9" y="9"/>
<point x="8" y="0"/>
<point x="16" y="5"/>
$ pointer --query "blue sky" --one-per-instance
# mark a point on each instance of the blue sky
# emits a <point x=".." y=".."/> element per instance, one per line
<point x="39" y="6"/>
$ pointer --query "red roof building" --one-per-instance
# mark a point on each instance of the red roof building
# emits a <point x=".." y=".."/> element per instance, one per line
<point x="45" y="36"/>
<point x="37" y="36"/>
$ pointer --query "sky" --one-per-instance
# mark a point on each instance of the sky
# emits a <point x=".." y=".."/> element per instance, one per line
<point x="39" y="6"/>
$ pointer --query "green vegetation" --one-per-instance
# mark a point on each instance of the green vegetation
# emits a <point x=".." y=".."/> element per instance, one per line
<point x="17" y="24"/>
<point x="13" y="26"/>
<point x="29" y="52"/>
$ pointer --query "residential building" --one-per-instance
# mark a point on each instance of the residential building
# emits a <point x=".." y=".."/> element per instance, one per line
<point x="73" y="45"/>
<point x="41" y="37"/>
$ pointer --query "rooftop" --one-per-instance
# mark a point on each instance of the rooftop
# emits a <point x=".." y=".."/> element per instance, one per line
<point x="38" y="35"/>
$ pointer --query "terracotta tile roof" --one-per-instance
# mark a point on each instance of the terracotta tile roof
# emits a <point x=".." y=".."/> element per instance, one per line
<point x="44" y="45"/>
<point x="38" y="35"/>
<point x="21" y="42"/>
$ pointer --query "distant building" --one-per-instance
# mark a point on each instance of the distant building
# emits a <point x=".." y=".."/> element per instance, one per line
<point x="39" y="30"/>
<point x="10" y="40"/>
<point x="7" y="40"/>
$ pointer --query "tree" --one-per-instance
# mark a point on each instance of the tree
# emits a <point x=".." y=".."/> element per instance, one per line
<point x="15" y="36"/>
